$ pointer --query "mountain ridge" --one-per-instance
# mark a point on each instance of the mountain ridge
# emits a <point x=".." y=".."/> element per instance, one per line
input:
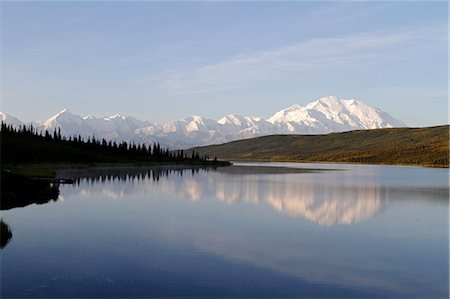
<point x="325" y="115"/>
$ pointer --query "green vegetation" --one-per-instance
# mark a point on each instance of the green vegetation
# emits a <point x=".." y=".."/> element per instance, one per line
<point x="403" y="146"/>
<point x="26" y="146"/>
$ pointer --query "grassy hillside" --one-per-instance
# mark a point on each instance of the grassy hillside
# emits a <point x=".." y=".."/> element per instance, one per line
<point x="406" y="146"/>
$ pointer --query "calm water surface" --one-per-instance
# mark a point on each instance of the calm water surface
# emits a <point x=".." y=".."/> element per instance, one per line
<point x="351" y="232"/>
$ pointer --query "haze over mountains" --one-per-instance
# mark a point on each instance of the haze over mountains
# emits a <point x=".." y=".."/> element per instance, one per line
<point x="326" y="115"/>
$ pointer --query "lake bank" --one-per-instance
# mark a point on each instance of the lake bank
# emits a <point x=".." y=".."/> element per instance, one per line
<point x="49" y="170"/>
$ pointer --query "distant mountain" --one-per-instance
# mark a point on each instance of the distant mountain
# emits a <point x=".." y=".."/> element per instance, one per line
<point x="329" y="114"/>
<point x="8" y="119"/>
<point x="113" y="127"/>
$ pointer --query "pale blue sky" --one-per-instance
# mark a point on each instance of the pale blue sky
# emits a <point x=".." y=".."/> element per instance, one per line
<point x="163" y="61"/>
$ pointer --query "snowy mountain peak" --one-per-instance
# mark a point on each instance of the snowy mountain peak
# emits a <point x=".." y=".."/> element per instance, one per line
<point x="65" y="113"/>
<point x="9" y="119"/>
<point x="116" y="116"/>
<point x="231" y="119"/>
<point x="330" y="102"/>
<point x="63" y="117"/>
<point x="196" y="118"/>
<point x="62" y="113"/>
<point x="293" y="107"/>
<point x="325" y="115"/>
<point x="4" y="116"/>
<point x="288" y="114"/>
<point x="337" y="104"/>
<point x="332" y="114"/>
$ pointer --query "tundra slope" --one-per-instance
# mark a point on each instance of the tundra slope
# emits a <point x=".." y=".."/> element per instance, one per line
<point x="405" y="146"/>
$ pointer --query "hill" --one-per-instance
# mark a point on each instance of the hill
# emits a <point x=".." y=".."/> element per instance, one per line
<point x="406" y="146"/>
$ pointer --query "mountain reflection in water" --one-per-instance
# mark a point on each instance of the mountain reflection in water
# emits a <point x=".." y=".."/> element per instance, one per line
<point x="327" y="203"/>
<point x="270" y="231"/>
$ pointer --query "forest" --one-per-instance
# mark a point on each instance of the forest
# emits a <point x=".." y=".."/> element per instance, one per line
<point x="29" y="145"/>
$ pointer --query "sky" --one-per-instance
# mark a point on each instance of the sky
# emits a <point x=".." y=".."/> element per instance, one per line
<point x="162" y="61"/>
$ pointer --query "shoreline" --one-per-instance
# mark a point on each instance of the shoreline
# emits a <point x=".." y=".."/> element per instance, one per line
<point x="48" y="170"/>
<point x="443" y="166"/>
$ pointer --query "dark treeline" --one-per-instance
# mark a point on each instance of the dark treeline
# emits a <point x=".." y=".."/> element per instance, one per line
<point x="27" y="144"/>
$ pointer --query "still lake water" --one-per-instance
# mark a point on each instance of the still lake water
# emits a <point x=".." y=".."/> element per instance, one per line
<point x="356" y="231"/>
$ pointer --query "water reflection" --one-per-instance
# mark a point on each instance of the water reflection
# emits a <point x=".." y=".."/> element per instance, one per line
<point x="230" y="232"/>
<point x="327" y="204"/>
<point x="324" y="205"/>
<point x="20" y="191"/>
<point x="5" y="234"/>
<point x="127" y="174"/>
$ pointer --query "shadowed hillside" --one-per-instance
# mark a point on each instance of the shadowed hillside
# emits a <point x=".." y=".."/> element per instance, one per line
<point x="408" y="146"/>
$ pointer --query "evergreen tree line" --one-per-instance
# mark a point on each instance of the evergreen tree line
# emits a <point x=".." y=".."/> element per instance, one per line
<point x="153" y="152"/>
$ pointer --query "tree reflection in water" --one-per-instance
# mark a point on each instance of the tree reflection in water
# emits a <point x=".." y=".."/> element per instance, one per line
<point x="324" y="203"/>
<point x="19" y="191"/>
<point x="6" y="234"/>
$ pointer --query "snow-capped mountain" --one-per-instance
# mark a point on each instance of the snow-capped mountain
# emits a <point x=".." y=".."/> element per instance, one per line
<point x="8" y="119"/>
<point x="331" y="114"/>
<point x="112" y="127"/>
<point x="326" y="115"/>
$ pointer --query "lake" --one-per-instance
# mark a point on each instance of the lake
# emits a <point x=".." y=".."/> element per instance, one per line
<point x="254" y="230"/>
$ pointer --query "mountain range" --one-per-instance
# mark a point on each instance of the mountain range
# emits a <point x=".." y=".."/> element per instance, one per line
<point x="325" y="115"/>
